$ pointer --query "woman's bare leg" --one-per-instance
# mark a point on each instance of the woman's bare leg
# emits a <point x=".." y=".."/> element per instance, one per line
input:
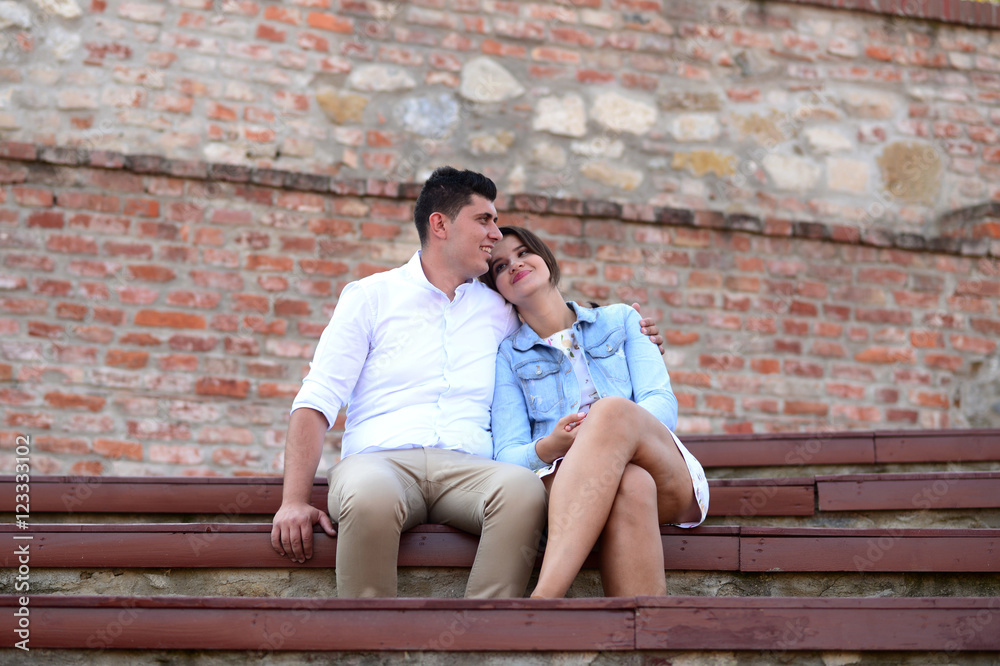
<point x="631" y="548"/>
<point x="616" y="432"/>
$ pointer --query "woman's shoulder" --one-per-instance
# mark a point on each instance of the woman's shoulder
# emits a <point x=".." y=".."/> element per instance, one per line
<point x="616" y="312"/>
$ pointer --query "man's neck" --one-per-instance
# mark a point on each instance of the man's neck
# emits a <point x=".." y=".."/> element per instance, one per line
<point x="437" y="273"/>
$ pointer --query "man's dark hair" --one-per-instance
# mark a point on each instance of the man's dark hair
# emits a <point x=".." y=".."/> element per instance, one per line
<point x="535" y="245"/>
<point x="447" y="191"/>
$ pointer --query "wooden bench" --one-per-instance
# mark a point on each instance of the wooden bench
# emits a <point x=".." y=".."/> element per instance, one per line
<point x="724" y="548"/>
<point x="883" y="492"/>
<point x="232" y="497"/>
<point x="775" y="626"/>
<point x="846" y="448"/>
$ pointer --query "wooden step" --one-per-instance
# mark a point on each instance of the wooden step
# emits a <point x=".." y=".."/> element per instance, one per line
<point x="772" y="625"/>
<point x="861" y="550"/>
<point x="881" y="492"/>
<point x="232" y="497"/>
<point x="197" y="545"/>
<point x="845" y="448"/>
<point x="724" y="548"/>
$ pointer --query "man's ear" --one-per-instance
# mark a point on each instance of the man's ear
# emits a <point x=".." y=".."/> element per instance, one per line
<point x="437" y="223"/>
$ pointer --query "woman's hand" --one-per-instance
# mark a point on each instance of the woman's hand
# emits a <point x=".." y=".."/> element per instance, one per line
<point x="557" y="443"/>
<point x="650" y="328"/>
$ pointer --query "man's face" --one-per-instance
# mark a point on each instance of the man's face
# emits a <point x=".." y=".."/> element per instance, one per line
<point x="472" y="235"/>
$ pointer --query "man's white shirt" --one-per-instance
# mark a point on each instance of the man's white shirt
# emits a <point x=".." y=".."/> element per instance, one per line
<point x="415" y="369"/>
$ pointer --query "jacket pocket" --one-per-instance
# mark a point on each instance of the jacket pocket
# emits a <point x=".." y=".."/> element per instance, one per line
<point x="540" y="383"/>
<point x="608" y="354"/>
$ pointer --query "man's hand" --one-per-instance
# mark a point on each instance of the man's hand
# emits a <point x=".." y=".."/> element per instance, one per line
<point x="650" y="328"/>
<point x="557" y="443"/>
<point x="292" y="530"/>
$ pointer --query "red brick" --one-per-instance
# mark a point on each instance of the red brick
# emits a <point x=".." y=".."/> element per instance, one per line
<point x="857" y="413"/>
<point x="272" y="282"/>
<point x="160" y="318"/>
<point x="68" y="310"/>
<point x="286" y="307"/>
<point x="766" y="366"/>
<point x="71" y="244"/>
<point x="69" y="445"/>
<point x="285" y="391"/>
<point x="803" y="369"/>
<point x="233" y="388"/>
<point x="690" y="378"/>
<point x="926" y="399"/>
<point x="187" y="298"/>
<point x="33" y="197"/>
<point x="827" y="348"/>
<point x="140" y="339"/>
<point x="151" y="273"/>
<point x="269" y="33"/>
<point x="75" y="401"/>
<point x="848" y="391"/>
<point x="37" y="329"/>
<point x="806" y="407"/>
<point x="117" y="449"/>
<point x="679" y="338"/>
<point x="886" y="355"/>
<point x="926" y="339"/>
<point x="126" y="359"/>
<point x="176" y="454"/>
<point x="23" y="306"/>
<point x="973" y="344"/>
<point x="943" y="361"/>
<point x="177" y="363"/>
<point x="330" y="22"/>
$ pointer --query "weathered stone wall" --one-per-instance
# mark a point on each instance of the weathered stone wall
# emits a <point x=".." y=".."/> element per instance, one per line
<point x="157" y="316"/>
<point x="763" y="108"/>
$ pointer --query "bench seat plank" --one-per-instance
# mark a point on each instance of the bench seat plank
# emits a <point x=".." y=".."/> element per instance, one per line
<point x="881" y="492"/>
<point x="230" y="498"/>
<point x="937" y="446"/>
<point x="865" y="550"/>
<point x="852" y="448"/>
<point x="775" y="625"/>
<point x="350" y="626"/>
<point x="248" y="545"/>
<point x="779" y="625"/>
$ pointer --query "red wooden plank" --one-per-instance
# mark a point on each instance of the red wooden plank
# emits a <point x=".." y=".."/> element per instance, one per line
<point x="232" y="498"/>
<point x="755" y="451"/>
<point x="236" y="546"/>
<point x="880" y="494"/>
<point x="889" y="552"/>
<point x="326" y="629"/>
<point x="780" y="626"/>
<point x="762" y="500"/>
<point x="945" y="446"/>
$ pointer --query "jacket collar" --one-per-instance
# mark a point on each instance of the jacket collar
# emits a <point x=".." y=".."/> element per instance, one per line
<point x="525" y="338"/>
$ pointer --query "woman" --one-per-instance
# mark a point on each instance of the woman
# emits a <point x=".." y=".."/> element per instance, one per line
<point x="583" y="398"/>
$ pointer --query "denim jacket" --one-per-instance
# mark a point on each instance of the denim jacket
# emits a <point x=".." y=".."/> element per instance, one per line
<point x="536" y="385"/>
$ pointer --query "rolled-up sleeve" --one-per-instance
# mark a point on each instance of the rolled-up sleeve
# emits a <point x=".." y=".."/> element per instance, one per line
<point x="509" y="419"/>
<point x="340" y="355"/>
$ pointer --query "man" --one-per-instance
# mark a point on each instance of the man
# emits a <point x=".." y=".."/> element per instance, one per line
<point x="412" y="351"/>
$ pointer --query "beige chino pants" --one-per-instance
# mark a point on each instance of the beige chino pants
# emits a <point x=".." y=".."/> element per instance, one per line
<point x="374" y="497"/>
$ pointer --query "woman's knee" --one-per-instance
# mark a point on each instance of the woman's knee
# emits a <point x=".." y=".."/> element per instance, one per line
<point x="637" y="488"/>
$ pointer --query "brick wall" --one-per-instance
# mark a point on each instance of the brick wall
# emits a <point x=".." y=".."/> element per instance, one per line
<point x="764" y="108"/>
<point x="156" y="316"/>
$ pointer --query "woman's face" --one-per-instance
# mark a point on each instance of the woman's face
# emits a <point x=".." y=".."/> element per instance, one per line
<point x="517" y="271"/>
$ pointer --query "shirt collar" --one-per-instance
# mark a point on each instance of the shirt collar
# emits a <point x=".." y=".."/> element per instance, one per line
<point x="525" y="338"/>
<point x="415" y="272"/>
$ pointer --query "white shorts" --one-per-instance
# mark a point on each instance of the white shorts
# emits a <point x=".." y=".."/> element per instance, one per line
<point x="697" y="472"/>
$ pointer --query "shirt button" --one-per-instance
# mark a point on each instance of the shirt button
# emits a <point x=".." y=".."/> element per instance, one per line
<point x="538" y="370"/>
